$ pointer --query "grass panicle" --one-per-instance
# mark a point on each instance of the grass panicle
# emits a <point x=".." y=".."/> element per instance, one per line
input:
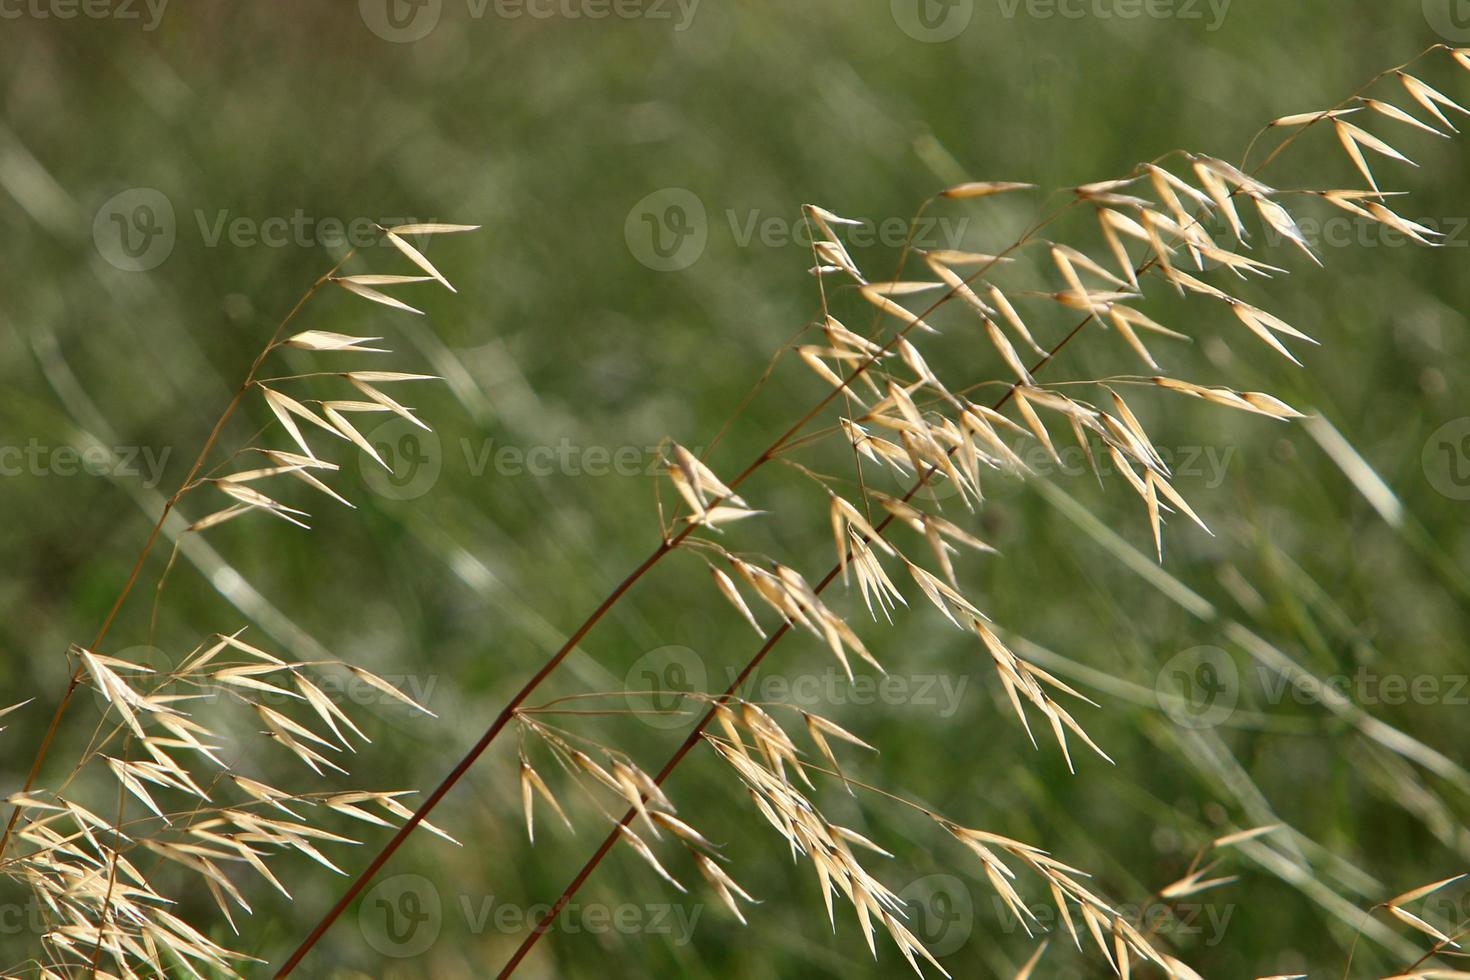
<point x="158" y="792"/>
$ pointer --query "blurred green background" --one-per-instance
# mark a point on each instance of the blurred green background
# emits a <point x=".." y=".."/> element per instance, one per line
<point x="227" y="138"/>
